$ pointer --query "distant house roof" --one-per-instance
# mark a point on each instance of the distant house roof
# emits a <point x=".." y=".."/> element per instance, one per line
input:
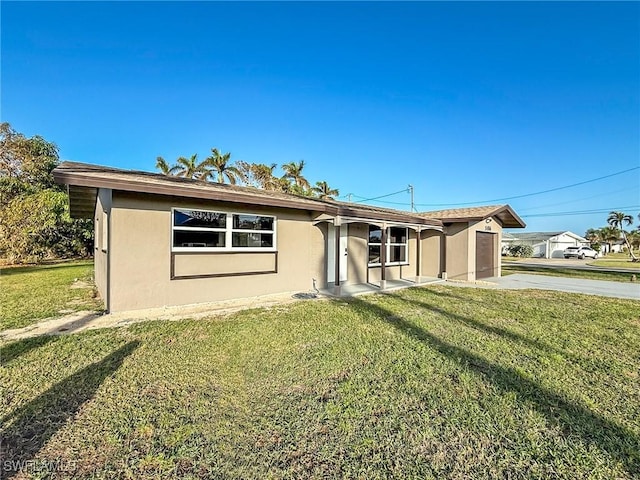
<point x="540" y="236"/>
<point x="84" y="179"/>
<point x="504" y="213"/>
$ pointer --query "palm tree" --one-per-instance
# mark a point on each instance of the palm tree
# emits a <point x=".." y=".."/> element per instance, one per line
<point x="190" y="168"/>
<point x="164" y="167"/>
<point x="293" y="171"/>
<point x="608" y="235"/>
<point x="634" y="239"/>
<point x="220" y="165"/>
<point x="324" y="192"/>
<point x="260" y="175"/>
<point x="593" y="235"/>
<point x="618" y="220"/>
<point x="595" y="238"/>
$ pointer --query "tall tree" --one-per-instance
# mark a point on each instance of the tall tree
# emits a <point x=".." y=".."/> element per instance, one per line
<point x="165" y="168"/>
<point x="293" y="172"/>
<point x="25" y="164"/>
<point x="618" y="220"/>
<point x="190" y="168"/>
<point x="34" y="210"/>
<point x="593" y="235"/>
<point x="325" y="192"/>
<point x="220" y="166"/>
<point x="260" y="175"/>
<point x="608" y="235"/>
<point x="634" y="239"/>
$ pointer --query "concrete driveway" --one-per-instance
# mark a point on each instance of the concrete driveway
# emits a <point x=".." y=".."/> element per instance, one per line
<point x="573" y="285"/>
<point x="572" y="263"/>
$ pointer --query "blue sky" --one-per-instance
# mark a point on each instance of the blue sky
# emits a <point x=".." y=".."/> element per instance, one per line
<point x="466" y="101"/>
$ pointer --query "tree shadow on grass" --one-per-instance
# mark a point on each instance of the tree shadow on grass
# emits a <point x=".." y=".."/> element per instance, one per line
<point x="499" y="331"/>
<point x="15" y="349"/>
<point x="36" y="422"/>
<point x="574" y="420"/>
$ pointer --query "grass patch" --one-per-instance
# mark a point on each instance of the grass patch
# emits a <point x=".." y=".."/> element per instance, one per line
<point x="567" y="272"/>
<point x="30" y="294"/>
<point x="616" y="260"/>
<point x="435" y="382"/>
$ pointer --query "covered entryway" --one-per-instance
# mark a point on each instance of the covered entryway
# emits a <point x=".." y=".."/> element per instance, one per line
<point x="485" y="254"/>
<point x="364" y="254"/>
<point x="343" y="252"/>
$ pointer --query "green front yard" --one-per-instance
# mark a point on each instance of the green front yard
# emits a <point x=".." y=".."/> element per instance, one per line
<point x="438" y="382"/>
<point x="616" y="260"/>
<point x="29" y="294"/>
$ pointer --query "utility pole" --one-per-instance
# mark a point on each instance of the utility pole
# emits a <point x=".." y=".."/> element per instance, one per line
<point x="349" y="196"/>
<point x="413" y="208"/>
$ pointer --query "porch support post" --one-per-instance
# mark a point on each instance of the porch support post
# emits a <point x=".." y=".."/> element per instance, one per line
<point x="419" y="255"/>
<point x="337" y="288"/>
<point x="383" y="258"/>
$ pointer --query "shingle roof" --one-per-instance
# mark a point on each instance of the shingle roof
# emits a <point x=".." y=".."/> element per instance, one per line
<point x="542" y="236"/>
<point x="504" y="213"/>
<point x="84" y="179"/>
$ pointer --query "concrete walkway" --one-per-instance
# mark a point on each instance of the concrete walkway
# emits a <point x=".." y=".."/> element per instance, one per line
<point x="88" y="320"/>
<point x="563" y="284"/>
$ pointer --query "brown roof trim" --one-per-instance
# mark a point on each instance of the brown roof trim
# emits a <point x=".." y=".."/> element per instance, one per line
<point x="69" y="178"/>
<point x="94" y="176"/>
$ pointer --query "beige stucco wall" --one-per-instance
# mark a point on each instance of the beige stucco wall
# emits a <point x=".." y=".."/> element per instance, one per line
<point x="140" y="256"/>
<point x="457" y="251"/>
<point x="432" y="253"/>
<point x="358" y="253"/>
<point x="461" y="248"/>
<point x="103" y="205"/>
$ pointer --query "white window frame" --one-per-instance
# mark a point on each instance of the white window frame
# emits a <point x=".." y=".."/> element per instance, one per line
<point x="228" y="230"/>
<point x="388" y="248"/>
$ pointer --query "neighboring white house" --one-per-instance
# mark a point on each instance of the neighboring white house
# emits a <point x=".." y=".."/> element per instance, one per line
<point x="612" y="247"/>
<point x="545" y="244"/>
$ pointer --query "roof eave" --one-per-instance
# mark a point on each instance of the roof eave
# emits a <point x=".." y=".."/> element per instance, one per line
<point x="93" y="179"/>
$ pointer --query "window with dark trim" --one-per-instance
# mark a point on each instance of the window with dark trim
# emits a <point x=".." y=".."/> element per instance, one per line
<point x="204" y="230"/>
<point x="396" y="247"/>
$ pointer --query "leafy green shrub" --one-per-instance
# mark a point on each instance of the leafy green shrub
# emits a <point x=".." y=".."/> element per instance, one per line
<point x="521" y="250"/>
<point x="38" y="226"/>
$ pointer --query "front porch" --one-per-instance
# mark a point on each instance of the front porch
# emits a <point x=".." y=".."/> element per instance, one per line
<point x="365" y="255"/>
<point x="352" y="290"/>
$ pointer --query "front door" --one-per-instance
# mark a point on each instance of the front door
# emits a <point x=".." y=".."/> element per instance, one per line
<point x="331" y="254"/>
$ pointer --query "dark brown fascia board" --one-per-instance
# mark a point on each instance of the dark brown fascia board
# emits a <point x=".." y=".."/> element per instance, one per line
<point x="78" y="179"/>
<point x="181" y="191"/>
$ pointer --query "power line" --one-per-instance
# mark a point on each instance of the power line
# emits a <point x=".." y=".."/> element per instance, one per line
<point x="404" y="190"/>
<point x="529" y="194"/>
<point x="581" y="212"/>
<point x="363" y="199"/>
<point x="577" y="199"/>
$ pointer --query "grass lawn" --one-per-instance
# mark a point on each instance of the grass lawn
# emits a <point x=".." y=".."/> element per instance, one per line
<point x="437" y="382"/>
<point x="29" y="294"/>
<point x="613" y="260"/>
<point x="568" y="272"/>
